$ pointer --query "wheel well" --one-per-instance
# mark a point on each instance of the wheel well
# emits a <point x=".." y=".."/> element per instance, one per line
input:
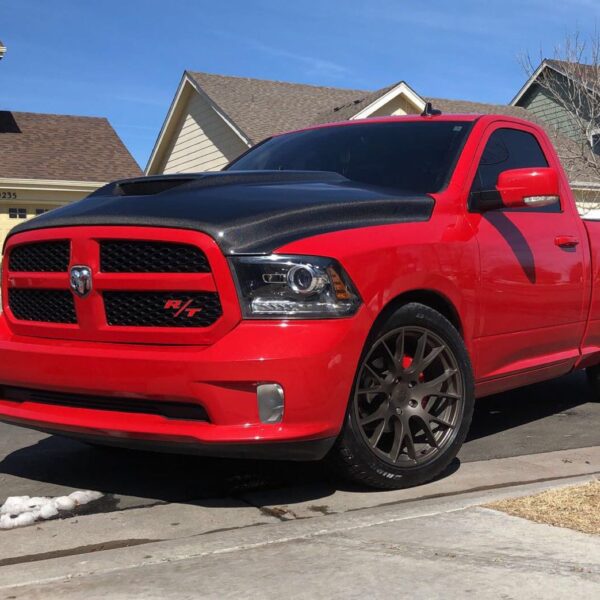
<point x="430" y="298"/>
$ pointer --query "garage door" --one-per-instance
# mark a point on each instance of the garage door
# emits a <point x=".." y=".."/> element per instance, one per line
<point x="11" y="214"/>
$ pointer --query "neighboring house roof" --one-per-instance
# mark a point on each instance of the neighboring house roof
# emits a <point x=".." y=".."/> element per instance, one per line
<point x="346" y="111"/>
<point x="260" y="108"/>
<point x="477" y="108"/>
<point x="62" y="147"/>
<point x="2" y="49"/>
<point x="579" y="72"/>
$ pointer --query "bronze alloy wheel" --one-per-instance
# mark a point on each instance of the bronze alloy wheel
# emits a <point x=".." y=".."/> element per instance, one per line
<point x="409" y="397"/>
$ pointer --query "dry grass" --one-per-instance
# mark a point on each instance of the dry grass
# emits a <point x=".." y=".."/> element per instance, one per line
<point x="574" y="507"/>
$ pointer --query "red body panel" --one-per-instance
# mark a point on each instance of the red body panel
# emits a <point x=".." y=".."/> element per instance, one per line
<point x="523" y="301"/>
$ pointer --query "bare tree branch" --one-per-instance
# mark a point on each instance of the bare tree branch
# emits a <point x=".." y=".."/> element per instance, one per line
<point x="571" y="80"/>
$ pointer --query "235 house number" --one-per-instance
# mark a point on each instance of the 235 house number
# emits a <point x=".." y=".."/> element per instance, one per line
<point x="8" y="196"/>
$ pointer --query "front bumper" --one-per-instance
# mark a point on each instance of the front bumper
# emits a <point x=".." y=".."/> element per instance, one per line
<point x="314" y="362"/>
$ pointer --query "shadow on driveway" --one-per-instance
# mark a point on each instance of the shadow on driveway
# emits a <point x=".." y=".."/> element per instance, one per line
<point x="499" y="427"/>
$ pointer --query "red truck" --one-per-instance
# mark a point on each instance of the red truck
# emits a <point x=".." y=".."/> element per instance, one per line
<point x="345" y="291"/>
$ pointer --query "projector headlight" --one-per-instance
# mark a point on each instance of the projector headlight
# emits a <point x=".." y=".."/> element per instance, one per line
<point x="293" y="287"/>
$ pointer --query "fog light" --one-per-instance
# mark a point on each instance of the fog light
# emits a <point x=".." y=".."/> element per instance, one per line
<point x="270" y="402"/>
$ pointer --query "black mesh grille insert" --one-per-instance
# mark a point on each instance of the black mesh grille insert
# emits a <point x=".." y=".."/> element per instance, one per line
<point x="50" y="306"/>
<point x="124" y="256"/>
<point x="41" y="257"/>
<point x="162" y="309"/>
<point x="170" y="410"/>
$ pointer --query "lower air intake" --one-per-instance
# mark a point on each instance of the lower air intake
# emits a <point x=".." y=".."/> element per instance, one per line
<point x="169" y="410"/>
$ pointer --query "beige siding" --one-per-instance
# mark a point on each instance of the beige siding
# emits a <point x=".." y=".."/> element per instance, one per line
<point x="31" y="201"/>
<point x="203" y="141"/>
<point x="397" y="106"/>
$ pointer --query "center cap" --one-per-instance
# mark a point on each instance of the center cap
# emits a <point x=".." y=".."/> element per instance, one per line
<point x="400" y="395"/>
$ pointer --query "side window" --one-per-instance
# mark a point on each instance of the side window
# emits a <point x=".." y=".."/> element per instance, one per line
<point x="508" y="149"/>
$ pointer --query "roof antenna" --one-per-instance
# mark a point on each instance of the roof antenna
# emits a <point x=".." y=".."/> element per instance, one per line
<point x="429" y="111"/>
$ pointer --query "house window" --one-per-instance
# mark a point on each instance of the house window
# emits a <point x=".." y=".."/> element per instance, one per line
<point x="594" y="138"/>
<point x="40" y="211"/>
<point x="17" y="213"/>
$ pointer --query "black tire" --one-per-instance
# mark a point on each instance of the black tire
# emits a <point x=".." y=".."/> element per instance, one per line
<point x="361" y="454"/>
<point x="593" y="376"/>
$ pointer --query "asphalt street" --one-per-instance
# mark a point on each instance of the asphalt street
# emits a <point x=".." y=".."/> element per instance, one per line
<point x="556" y="415"/>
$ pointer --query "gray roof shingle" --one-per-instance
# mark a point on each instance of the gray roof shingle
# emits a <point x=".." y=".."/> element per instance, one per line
<point x="260" y="108"/>
<point x="62" y="147"/>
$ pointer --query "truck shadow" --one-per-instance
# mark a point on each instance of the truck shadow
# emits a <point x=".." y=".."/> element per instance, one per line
<point x="144" y="477"/>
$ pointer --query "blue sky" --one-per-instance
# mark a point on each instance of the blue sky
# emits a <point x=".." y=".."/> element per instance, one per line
<point x="123" y="59"/>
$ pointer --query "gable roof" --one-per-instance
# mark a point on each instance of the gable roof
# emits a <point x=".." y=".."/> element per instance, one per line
<point x="62" y="147"/>
<point x="260" y="108"/>
<point x="577" y="72"/>
<point x="346" y="111"/>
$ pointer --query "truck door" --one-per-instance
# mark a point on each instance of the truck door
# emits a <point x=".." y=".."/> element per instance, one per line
<point x="532" y="279"/>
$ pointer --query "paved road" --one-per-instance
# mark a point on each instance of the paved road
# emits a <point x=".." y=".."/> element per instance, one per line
<point x="556" y="415"/>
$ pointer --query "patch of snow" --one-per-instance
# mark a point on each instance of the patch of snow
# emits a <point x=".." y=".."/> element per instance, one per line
<point x="20" y="511"/>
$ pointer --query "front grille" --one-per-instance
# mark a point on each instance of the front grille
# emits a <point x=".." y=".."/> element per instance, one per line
<point x="51" y="306"/>
<point x="126" y="256"/>
<point x="169" y="410"/>
<point x="162" y="309"/>
<point x="41" y="257"/>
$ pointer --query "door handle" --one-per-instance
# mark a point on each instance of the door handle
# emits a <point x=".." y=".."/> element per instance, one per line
<point x="566" y="241"/>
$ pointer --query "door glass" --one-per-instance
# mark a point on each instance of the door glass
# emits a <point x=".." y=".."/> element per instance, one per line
<point x="508" y="149"/>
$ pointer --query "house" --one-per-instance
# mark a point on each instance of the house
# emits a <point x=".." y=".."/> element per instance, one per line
<point x="562" y="96"/>
<point x="214" y="118"/>
<point x="50" y="160"/>
<point x="2" y="50"/>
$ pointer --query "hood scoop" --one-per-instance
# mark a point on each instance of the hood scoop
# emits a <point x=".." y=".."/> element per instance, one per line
<point x="150" y="186"/>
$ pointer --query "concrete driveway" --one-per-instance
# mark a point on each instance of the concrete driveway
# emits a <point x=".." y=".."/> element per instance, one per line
<point x="556" y="415"/>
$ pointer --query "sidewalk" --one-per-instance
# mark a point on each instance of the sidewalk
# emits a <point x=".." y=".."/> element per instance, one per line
<point x="438" y="548"/>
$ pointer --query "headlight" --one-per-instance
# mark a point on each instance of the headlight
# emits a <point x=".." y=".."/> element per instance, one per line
<point x="293" y="287"/>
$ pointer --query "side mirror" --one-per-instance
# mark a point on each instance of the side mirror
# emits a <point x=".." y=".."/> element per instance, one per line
<point x="528" y="188"/>
<point x="520" y="188"/>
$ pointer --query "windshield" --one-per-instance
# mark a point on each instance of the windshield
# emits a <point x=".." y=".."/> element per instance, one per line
<point x="413" y="156"/>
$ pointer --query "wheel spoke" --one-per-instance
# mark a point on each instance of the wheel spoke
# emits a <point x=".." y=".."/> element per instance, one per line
<point x="410" y="445"/>
<point x="374" y="390"/>
<point x="390" y="356"/>
<point x="440" y="421"/>
<point x="419" y="354"/>
<point x="429" y="358"/>
<point x="380" y="413"/>
<point x="429" y="434"/>
<point x="449" y="395"/>
<point x="376" y="436"/>
<point x="398" y="439"/>
<point x="374" y="373"/>
<point x="434" y="383"/>
<point x="399" y="352"/>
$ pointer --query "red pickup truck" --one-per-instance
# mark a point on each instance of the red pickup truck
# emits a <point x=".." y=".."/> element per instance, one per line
<point x="343" y="291"/>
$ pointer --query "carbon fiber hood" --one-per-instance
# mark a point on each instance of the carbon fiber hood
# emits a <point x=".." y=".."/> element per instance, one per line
<point x="245" y="212"/>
